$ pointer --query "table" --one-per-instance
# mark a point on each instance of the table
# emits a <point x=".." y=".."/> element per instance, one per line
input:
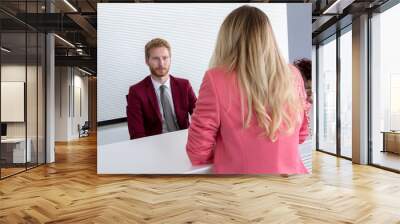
<point x="160" y="154"/>
<point x="391" y="141"/>
<point x="157" y="154"/>
<point x="13" y="150"/>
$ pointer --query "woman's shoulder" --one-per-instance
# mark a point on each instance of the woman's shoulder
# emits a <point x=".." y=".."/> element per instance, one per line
<point x="217" y="71"/>
<point x="219" y="74"/>
<point x="220" y="77"/>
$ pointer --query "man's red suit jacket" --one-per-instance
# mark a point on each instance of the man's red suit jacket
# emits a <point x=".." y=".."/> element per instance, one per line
<point x="143" y="112"/>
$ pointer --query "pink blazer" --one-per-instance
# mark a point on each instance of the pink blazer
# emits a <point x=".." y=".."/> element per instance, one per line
<point x="216" y="134"/>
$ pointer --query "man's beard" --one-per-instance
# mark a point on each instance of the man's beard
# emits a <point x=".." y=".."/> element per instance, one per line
<point x="159" y="72"/>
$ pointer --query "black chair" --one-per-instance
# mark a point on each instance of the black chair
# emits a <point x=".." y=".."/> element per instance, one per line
<point x="84" y="130"/>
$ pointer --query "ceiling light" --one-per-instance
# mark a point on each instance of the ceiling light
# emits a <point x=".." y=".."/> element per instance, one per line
<point x="5" y="50"/>
<point x="65" y="41"/>
<point x="79" y="51"/>
<point x="338" y="6"/>
<point x="84" y="71"/>
<point x="331" y="7"/>
<point x="70" y="5"/>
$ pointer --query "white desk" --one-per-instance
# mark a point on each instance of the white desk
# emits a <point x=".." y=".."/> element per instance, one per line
<point x="18" y="150"/>
<point x="159" y="154"/>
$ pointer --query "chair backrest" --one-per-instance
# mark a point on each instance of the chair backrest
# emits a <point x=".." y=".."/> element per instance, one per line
<point x="86" y="125"/>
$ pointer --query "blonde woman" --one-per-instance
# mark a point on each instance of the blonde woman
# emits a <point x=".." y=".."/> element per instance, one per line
<point x="250" y="113"/>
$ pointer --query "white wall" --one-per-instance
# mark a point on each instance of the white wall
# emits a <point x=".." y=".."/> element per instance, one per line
<point x="12" y="101"/>
<point x="299" y="30"/>
<point x="69" y="82"/>
<point x="33" y="126"/>
<point x="79" y="117"/>
<point x="61" y="103"/>
<point x="12" y="73"/>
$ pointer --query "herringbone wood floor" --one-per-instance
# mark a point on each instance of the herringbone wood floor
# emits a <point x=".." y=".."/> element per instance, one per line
<point x="70" y="191"/>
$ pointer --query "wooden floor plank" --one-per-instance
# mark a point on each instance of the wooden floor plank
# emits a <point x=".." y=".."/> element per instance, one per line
<point x="70" y="191"/>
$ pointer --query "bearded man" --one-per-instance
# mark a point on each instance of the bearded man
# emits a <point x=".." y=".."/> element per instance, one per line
<point x="160" y="103"/>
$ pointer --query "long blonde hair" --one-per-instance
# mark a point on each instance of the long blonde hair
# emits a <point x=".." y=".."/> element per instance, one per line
<point x="247" y="46"/>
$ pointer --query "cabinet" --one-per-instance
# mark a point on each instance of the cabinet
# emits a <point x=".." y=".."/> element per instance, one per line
<point x="391" y="141"/>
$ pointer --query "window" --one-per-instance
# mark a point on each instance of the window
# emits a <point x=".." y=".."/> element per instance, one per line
<point x="327" y="96"/>
<point x="346" y="75"/>
<point x="385" y="89"/>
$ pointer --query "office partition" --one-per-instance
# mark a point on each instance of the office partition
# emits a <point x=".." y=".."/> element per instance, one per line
<point x="22" y="78"/>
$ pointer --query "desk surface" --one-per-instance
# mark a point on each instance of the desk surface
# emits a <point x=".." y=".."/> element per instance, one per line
<point x="390" y="132"/>
<point x="13" y="140"/>
<point x="158" y="154"/>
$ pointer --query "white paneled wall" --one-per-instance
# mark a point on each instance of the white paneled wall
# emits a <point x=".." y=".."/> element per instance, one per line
<point x="71" y="102"/>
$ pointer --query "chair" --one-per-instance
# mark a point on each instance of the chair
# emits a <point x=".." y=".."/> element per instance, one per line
<point x="84" y="130"/>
